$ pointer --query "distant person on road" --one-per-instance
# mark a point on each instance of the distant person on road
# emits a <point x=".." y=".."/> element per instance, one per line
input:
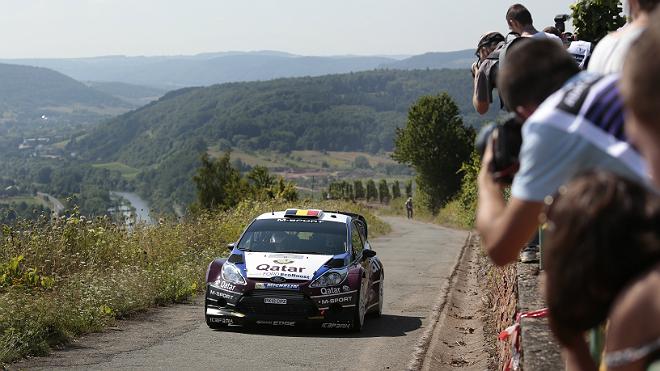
<point x="602" y="262"/>
<point x="409" y="208"/>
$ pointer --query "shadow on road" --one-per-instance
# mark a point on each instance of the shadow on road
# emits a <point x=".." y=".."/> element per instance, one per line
<point x="388" y="325"/>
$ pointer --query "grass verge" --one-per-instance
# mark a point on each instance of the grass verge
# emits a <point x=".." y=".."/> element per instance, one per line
<point x="72" y="276"/>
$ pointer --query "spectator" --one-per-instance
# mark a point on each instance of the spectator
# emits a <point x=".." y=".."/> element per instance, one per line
<point x="640" y="87"/>
<point x="520" y="22"/>
<point x="484" y="71"/>
<point x="552" y="30"/>
<point x="580" y="50"/>
<point x="603" y="261"/>
<point x="578" y="128"/>
<point x="611" y="51"/>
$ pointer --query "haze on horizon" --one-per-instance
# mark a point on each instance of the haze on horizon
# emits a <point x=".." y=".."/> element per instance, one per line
<point x="86" y="28"/>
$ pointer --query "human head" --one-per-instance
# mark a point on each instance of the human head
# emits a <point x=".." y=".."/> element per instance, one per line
<point x="635" y="8"/>
<point x="639" y="87"/>
<point x="518" y="17"/>
<point x="552" y="30"/>
<point x="603" y="231"/>
<point x="534" y="69"/>
<point x="487" y="43"/>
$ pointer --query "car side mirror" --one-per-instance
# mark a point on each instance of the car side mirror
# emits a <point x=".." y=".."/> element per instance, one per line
<point x="368" y="253"/>
<point x="230" y="246"/>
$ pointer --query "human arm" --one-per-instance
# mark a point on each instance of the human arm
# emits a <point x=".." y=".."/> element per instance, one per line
<point x="480" y="97"/>
<point x="504" y="228"/>
<point x="578" y="357"/>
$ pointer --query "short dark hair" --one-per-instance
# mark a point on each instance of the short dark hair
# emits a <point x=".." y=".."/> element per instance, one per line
<point x="603" y="232"/>
<point x="518" y="12"/>
<point x="552" y="30"/>
<point x="534" y="69"/>
<point x="648" y="5"/>
<point x="641" y="74"/>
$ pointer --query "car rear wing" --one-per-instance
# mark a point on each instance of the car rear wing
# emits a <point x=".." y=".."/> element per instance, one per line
<point x="362" y="221"/>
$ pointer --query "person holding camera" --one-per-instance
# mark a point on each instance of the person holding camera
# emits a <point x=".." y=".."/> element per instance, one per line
<point x="571" y="122"/>
<point x="484" y="71"/>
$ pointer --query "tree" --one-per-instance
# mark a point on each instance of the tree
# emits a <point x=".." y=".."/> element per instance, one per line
<point x="435" y="143"/>
<point x="383" y="192"/>
<point x="283" y="190"/>
<point x="261" y="182"/>
<point x="593" y="19"/>
<point x="396" y="190"/>
<point x="361" y="162"/>
<point x="218" y="184"/>
<point x="372" y="192"/>
<point x="359" y="189"/>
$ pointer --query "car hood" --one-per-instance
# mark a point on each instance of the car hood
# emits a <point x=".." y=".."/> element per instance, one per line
<point x="289" y="266"/>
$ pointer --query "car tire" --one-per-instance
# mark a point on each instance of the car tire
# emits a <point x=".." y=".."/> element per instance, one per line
<point x="381" y="291"/>
<point x="359" y="313"/>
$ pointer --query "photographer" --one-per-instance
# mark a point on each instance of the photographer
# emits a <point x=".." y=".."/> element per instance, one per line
<point x="573" y="122"/>
<point x="484" y="71"/>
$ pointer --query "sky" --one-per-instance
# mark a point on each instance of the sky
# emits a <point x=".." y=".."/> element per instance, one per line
<point x="85" y="28"/>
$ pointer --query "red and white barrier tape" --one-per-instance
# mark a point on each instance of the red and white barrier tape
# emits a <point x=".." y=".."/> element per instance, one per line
<point x="513" y="332"/>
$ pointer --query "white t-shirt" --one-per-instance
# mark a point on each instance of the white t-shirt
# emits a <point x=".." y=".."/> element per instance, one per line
<point x="578" y="128"/>
<point x="580" y="50"/>
<point x="611" y="51"/>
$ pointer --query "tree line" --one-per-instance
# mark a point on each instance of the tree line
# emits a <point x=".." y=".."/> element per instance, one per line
<point x="367" y="191"/>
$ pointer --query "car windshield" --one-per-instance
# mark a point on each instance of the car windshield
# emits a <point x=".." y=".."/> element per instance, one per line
<point x="303" y="236"/>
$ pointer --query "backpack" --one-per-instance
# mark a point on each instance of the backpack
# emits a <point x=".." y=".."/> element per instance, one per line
<point x="499" y="55"/>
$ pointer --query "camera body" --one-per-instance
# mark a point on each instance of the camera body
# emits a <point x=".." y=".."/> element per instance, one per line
<point x="560" y="22"/>
<point x="507" y="140"/>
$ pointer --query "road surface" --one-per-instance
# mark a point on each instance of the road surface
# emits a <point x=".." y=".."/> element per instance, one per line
<point x="418" y="259"/>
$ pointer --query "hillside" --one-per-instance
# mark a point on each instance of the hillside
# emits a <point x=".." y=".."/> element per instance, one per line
<point x="358" y="111"/>
<point x="28" y="93"/>
<point x="170" y="72"/>
<point x="136" y="95"/>
<point x="457" y="59"/>
<point x="350" y="112"/>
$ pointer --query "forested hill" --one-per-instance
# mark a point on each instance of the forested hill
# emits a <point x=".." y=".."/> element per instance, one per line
<point x="438" y="60"/>
<point x="173" y="72"/>
<point x="27" y="93"/>
<point x="350" y="112"/>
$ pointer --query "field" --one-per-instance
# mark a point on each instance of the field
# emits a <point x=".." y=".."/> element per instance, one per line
<point x="29" y="200"/>
<point x="126" y="171"/>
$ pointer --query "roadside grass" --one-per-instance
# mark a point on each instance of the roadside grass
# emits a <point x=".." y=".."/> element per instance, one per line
<point x="74" y="275"/>
<point x="126" y="171"/>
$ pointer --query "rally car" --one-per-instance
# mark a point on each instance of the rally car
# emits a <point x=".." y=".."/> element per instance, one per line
<point x="297" y="268"/>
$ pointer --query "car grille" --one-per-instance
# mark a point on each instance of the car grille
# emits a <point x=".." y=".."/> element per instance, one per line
<point x="297" y="304"/>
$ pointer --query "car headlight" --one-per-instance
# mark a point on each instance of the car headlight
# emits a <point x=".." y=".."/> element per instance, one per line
<point x="232" y="274"/>
<point x="330" y="278"/>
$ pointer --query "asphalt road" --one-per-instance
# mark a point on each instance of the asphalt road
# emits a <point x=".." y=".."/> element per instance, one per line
<point x="418" y="259"/>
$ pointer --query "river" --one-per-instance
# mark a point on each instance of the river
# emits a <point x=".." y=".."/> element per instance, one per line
<point x="142" y="212"/>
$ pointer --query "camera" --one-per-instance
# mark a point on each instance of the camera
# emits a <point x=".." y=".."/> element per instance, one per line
<point x="560" y="22"/>
<point x="507" y="140"/>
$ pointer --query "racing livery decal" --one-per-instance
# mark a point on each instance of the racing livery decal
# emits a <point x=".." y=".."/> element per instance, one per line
<point x="290" y="266"/>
